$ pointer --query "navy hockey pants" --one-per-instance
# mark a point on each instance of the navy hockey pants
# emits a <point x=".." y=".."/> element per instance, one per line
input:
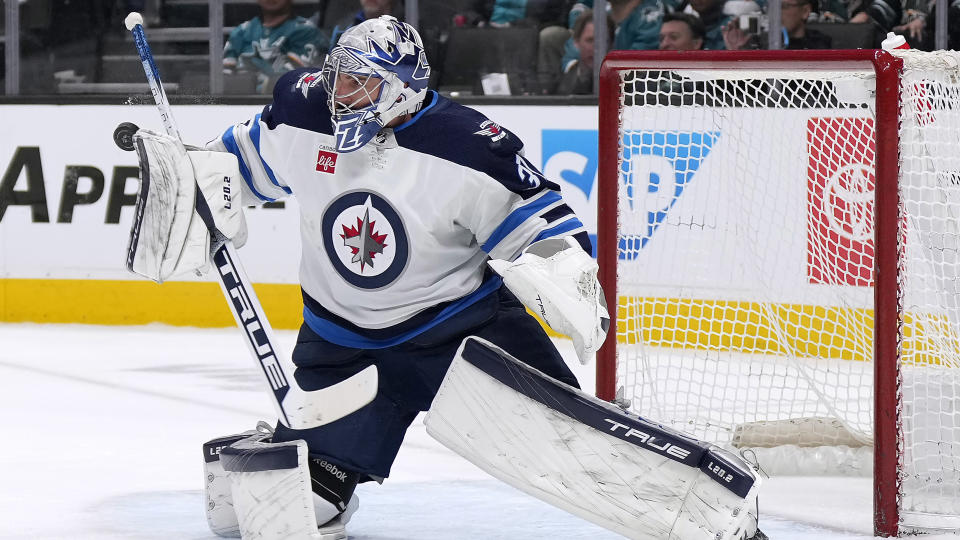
<point x="367" y="441"/>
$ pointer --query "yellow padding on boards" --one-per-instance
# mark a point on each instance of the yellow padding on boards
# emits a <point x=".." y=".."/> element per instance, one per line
<point x="178" y="303"/>
<point x="748" y="327"/>
<point x="800" y="330"/>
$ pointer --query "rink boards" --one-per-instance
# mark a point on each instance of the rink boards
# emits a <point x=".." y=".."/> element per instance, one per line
<point x="68" y="200"/>
<point x="67" y="195"/>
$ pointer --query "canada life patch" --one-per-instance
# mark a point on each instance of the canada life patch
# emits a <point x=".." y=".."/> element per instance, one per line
<point x="327" y="161"/>
<point x="365" y="240"/>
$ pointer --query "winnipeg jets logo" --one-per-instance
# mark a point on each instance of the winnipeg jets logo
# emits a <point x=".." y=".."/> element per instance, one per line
<point x="491" y="129"/>
<point x="365" y="239"/>
<point x="308" y="81"/>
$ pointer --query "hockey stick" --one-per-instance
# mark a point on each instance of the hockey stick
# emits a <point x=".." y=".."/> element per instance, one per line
<point x="296" y="408"/>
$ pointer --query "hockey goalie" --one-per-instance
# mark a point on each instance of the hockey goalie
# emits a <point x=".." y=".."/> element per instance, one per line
<point x="426" y="236"/>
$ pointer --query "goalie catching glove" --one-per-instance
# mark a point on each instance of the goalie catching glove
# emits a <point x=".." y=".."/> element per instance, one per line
<point x="172" y="228"/>
<point x="557" y="280"/>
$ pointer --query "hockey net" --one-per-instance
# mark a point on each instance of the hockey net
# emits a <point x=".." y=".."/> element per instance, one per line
<point x="747" y="202"/>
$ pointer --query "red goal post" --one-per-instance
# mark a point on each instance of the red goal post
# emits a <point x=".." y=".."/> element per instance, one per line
<point x="648" y="102"/>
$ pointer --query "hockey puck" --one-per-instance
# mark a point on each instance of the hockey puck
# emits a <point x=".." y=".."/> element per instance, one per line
<point x="123" y="135"/>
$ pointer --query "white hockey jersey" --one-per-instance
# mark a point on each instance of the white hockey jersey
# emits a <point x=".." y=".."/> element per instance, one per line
<point x="396" y="234"/>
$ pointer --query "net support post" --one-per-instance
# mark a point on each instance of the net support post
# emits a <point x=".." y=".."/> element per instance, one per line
<point x="887" y="299"/>
<point x="607" y="223"/>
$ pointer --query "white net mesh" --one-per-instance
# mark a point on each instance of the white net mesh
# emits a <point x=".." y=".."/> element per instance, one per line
<point x="746" y="255"/>
<point x="930" y="361"/>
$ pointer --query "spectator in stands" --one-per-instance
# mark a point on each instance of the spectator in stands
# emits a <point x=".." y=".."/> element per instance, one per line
<point x="928" y="43"/>
<point x="271" y="44"/>
<point x="637" y="24"/>
<point x="578" y="77"/>
<point x="505" y="13"/>
<point x="549" y="16"/>
<point x="369" y="9"/>
<point x="914" y="20"/>
<point x="681" y="32"/>
<point x="714" y="20"/>
<point x="576" y="9"/>
<point x="793" y="16"/>
<point x="884" y="14"/>
<point x="550" y="50"/>
<point x="556" y="47"/>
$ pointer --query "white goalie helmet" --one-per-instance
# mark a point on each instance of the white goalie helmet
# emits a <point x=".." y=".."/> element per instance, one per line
<point x="376" y="72"/>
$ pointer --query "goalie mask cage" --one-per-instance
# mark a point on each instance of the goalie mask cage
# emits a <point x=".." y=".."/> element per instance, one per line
<point x="780" y="234"/>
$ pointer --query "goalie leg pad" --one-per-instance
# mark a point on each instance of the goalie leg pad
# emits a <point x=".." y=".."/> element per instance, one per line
<point x="271" y="489"/>
<point x="585" y="456"/>
<point x="218" y="501"/>
<point x="333" y="488"/>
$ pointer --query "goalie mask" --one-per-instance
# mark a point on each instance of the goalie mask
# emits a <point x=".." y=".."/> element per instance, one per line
<point x="376" y="72"/>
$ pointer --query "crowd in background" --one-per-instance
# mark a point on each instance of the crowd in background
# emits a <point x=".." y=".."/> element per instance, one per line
<point x="460" y="35"/>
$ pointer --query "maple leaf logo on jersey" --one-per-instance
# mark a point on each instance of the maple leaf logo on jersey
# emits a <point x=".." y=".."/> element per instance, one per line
<point x="363" y="241"/>
<point x="491" y="129"/>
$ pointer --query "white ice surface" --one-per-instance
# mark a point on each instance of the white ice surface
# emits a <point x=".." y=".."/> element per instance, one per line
<point x="104" y="427"/>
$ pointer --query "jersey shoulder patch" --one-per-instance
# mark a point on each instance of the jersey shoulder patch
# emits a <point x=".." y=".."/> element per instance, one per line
<point x="299" y="100"/>
<point x="464" y="136"/>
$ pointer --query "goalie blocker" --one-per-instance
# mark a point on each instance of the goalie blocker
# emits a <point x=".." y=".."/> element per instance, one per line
<point x="588" y="457"/>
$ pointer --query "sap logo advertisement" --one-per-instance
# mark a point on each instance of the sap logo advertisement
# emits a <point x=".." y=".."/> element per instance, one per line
<point x="570" y="158"/>
<point x="657" y="167"/>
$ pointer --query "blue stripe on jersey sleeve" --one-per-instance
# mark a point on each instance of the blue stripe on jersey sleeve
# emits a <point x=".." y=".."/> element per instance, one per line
<point x="517" y="217"/>
<point x="231" y="143"/>
<point x="255" y="137"/>
<point x="566" y="226"/>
